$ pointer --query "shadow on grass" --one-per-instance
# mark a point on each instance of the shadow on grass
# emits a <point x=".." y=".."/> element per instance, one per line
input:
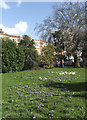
<point x="78" y="87"/>
<point x="80" y="95"/>
<point x="72" y="87"/>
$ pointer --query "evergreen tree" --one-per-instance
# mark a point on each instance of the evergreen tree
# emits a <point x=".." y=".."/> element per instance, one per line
<point x="30" y="52"/>
<point x="12" y="56"/>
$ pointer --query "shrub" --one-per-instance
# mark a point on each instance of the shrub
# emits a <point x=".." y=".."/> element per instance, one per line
<point x="12" y="56"/>
<point x="30" y="52"/>
<point x="48" y="56"/>
<point x="28" y="64"/>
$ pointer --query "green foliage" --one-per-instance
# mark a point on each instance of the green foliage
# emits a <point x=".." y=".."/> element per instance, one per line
<point x="30" y="52"/>
<point x="48" y="56"/>
<point x="36" y="66"/>
<point x="12" y="56"/>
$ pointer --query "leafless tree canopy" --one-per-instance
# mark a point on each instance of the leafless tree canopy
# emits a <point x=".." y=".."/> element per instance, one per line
<point x="68" y="24"/>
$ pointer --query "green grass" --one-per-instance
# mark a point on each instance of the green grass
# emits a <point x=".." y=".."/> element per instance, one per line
<point x="50" y="93"/>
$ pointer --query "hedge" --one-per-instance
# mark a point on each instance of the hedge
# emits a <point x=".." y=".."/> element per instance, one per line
<point x="12" y="56"/>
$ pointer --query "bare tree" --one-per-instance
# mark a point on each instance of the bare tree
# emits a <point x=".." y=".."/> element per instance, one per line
<point x="68" y="24"/>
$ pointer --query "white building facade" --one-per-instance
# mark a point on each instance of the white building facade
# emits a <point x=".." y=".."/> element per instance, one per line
<point x="38" y="43"/>
<point x="14" y="38"/>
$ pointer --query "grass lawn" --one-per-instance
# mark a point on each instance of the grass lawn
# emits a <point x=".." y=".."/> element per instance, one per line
<point x="50" y="93"/>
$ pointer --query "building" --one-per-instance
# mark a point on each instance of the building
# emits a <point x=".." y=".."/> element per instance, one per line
<point x="14" y="38"/>
<point x="38" y="43"/>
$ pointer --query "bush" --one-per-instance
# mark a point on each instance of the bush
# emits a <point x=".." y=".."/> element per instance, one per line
<point x="48" y="56"/>
<point x="28" y="64"/>
<point x="30" y="52"/>
<point x="12" y="56"/>
<point x="48" y="66"/>
<point x="35" y="66"/>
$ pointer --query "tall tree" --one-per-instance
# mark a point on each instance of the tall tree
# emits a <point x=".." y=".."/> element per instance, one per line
<point x="67" y="22"/>
<point x="48" y="55"/>
<point x="12" y="56"/>
<point x="30" y="51"/>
